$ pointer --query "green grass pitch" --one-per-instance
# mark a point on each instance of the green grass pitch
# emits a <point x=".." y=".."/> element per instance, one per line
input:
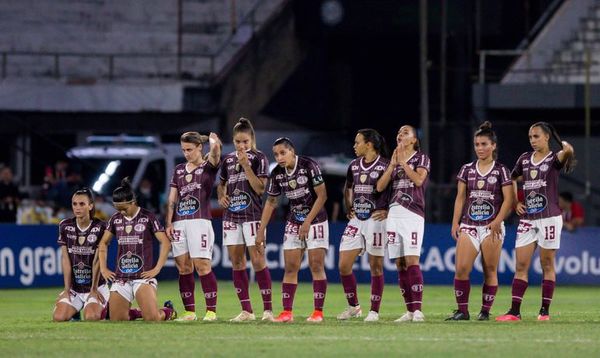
<point x="26" y="329"/>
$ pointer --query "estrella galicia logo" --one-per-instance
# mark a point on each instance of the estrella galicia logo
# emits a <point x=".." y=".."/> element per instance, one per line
<point x="363" y="208"/>
<point x="239" y="201"/>
<point x="82" y="273"/>
<point x="535" y="203"/>
<point x="189" y="205"/>
<point x="130" y="263"/>
<point x="405" y="199"/>
<point x="481" y="210"/>
<point x="300" y="213"/>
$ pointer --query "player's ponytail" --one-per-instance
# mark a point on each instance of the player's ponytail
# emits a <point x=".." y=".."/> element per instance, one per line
<point x="90" y="195"/>
<point x="245" y="126"/>
<point x="124" y="193"/>
<point x="485" y="130"/>
<point x="372" y="136"/>
<point x="551" y="131"/>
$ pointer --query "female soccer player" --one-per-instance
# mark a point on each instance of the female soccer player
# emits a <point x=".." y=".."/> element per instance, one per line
<point x="541" y="220"/>
<point x="78" y="237"/>
<point x="188" y="221"/>
<point x="243" y="179"/>
<point x="483" y="200"/>
<point x="134" y="273"/>
<point x="408" y="171"/>
<point x="367" y="214"/>
<point x="300" y="179"/>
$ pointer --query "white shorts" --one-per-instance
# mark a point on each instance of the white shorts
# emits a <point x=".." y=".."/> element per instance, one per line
<point x="80" y="300"/>
<point x="546" y="232"/>
<point x="128" y="289"/>
<point x="368" y="235"/>
<point x="240" y="234"/>
<point x="195" y="236"/>
<point x="318" y="237"/>
<point x="405" y="231"/>
<point x="479" y="233"/>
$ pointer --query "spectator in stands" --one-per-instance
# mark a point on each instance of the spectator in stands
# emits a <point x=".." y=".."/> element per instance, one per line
<point x="147" y="197"/>
<point x="60" y="183"/>
<point x="104" y="209"/>
<point x="9" y="196"/>
<point x="572" y="212"/>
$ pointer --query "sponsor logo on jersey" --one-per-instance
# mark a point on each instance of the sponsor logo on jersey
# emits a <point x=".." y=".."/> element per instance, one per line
<point x="189" y="205"/>
<point x="130" y="263"/>
<point x="70" y="228"/>
<point x="363" y="208"/>
<point x="240" y="200"/>
<point x="82" y="273"/>
<point x="481" y="210"/>
<point x="405" y="199"/>
<point x="95" y="230"/>
<point x="302" y="180"/>
<point x="300" y="212"/>
<point x="535" y="203"/>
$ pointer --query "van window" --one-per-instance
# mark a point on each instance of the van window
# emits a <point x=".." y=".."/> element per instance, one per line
<point x="104" y="175"/>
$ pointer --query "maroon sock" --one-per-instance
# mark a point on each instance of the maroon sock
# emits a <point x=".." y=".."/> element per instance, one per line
<point x="240" y="282"/>
<point x="263" y="278"/>
<point x="518" y="291"/>
<point x="377" y="284"/>
<point x="209" y="286"/>
<point x="187" y="286"/>
<point x="461" y="292"/>
<point x="349" y="284"/>
<point x="415" y="280"/>
<point x="104" y="312"/>
<point x="547" y="292"/>
<point x="135" y="313"/>
<point x="168" y="312"/>
<point x="288" y="290"/>
<point x="319" y="292"/>
<point x="405" y="289"/>
<point x="488" y="295"/>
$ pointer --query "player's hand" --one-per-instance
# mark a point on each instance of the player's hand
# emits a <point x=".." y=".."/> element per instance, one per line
<point x="224" y="201"/>
<point x="394" y="159"/>
<point x="379" y="215"/>
<point x="107" y="274"/>
<point x="243" y="160"/>
<point x="213" y="139"/>
<point x="150" y="274"/>
<point x="455" y="231"/>
<point x="495" y="229"/>
<point x="303" y="231"/>
<point x="350" y="214"/>
<point x="65" y="294"/>
<point x="169" y="232"/>
<point x="259" y="242"/>
<point x="520" y="208"/>
<point x="97" y="296"/>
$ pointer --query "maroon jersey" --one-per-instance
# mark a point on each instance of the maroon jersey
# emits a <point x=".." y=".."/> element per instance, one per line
<point x="540" y="184"/>
<point x="134" y="239"/>
<point x="484" y="192"/>
<point x="298" y="186"/>
<point x="193" y="191"/>
<point x="362" y="178"/>
<point x="244" y="203"/>
<point x="404" y="190"/>
<point x="81" y="245"/>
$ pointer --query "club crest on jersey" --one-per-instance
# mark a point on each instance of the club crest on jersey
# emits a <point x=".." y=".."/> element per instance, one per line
<point x="292" y="183"/>
<point x="128" y="228"/>
<point x="363" y="178"/>
<point x="188" y="177"/>
<point x="544" y="167"/>
<point x="302" y="180"/>
<point x="480" y="184"/>
<point x="374" y="175"/>
<point x="92" y="238"/>
<point x="140" y="227"/>
<point x="81" y="240"/>
<point x="492" y="180"/>
<point x="533" y="173"/>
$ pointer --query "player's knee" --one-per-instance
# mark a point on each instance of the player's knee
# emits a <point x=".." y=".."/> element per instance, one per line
<point x="547" y="264"/>
<point x="291" y="268"/>
<point x="60" y="317"/>
<point x="376" y="270"/>
<point x="345" y="268"/>
<point x="521" y="266"/>
<point x="462" y="272"/>
<point x="238" y="263"/>
<point x="316" y="267"/>
<point x="92" y="316"/>
<point x="490" y="271"/>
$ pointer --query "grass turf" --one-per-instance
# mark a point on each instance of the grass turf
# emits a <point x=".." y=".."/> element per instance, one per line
<point x="26" y="329"/>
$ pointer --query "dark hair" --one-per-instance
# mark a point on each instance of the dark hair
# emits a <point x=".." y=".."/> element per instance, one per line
<point x="485" y="130"/>
<point x="372" y="136"/>
<point x="124" y="193"/>
<point x="245" y="126"/>
<point x="194" y="138"/>
<point x="417" y="145"/>
<point x="285" y="141"/>
<point x="567" y="196"/>
<point x="90" y="195"/>
<point x="549" y="129"/>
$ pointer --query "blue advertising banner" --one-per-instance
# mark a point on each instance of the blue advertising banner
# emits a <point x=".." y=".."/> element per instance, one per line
<point x="30" y="257"/>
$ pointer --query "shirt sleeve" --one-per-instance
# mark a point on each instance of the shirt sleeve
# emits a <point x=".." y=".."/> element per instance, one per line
<point x="462" y="174"/>
<point x="110" y="226"/>
<point x="273" y="187"/>
<point x="262" y="170"/>
<point x="173" y="183"/>
<point x="505" y="176"/>
<point x="62" y="239"/>
<point x="315" y="174"/>
<point x="156" y="225"/>
<point x="518" y="169"/>
<point x="424" y="163"/>
<point x="349" y="177"/>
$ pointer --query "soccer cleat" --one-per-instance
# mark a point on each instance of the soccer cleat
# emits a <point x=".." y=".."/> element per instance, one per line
<point x="350" y="312"/>
<point x="459" y="316"/>
<point x="244" y="316"/>
<point x="509" y="316"/>
<point x="268" y="316"/>
<point x="76" y="317"/>
<point x="187" y="316"/>
<point x="372" y="317"/>
<point x="285" y="316"/>
<point x="315" y="317"/>
<point x="210" y="316"/>
<point x="483" y="316"/>
<point x="407" y="317"/>
<point x="418" y="316"/>
<point x="169" y="304"/>
<point x="544" y="315"/>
